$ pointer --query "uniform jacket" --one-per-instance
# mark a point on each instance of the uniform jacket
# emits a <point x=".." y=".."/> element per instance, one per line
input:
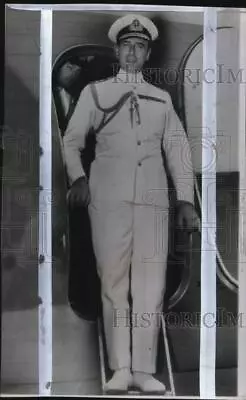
<point x="128" y="164"/>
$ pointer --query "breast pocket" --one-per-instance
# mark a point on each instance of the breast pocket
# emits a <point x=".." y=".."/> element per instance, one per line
<point x="152" y="118"/>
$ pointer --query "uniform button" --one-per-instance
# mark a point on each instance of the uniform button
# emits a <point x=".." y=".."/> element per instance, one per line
<point x="139" y="142"/>
<point x="139" y="164"/>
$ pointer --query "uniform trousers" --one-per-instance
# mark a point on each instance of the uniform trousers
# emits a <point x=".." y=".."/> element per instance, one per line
<point x="129" y="234"/>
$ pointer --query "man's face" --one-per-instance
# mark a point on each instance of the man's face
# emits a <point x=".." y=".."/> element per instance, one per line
<point x="68" y="74"/>
<point x="132" y="53"/>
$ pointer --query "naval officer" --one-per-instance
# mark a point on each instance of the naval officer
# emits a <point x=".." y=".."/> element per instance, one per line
<point x="127" y="197"/>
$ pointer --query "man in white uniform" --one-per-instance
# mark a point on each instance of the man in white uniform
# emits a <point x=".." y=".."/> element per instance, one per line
<point x="127" y="198"/>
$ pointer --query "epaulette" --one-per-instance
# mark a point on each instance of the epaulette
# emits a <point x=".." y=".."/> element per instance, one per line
<point x="102" y="80"/>
<point x="156" y="94"/>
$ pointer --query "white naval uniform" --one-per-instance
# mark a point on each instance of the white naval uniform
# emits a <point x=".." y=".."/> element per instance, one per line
<point x="129" y="207"/>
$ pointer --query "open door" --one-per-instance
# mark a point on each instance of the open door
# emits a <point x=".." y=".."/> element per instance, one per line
<point x="72" y="71"/>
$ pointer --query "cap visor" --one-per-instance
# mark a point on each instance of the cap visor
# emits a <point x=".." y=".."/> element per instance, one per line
<point x="134" y="34"/>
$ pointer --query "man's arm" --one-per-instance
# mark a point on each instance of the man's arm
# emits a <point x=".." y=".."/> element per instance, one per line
<point x="178" y="155"/>
<point x="74" y="138"/>
<point x="74" y="141"/>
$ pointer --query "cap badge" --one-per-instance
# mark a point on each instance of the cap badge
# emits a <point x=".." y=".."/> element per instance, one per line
<point x="136" y="26"/>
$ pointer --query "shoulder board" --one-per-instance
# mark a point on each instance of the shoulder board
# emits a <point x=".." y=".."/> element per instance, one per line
<point x="102" y="80"/>
<point x="162" y="92"/>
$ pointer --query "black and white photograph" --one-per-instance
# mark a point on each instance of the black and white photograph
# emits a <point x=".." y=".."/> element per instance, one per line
<point x="123" y="201"/>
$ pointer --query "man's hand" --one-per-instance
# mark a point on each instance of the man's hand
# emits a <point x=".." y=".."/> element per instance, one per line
<point x="79" y="194"/>
<point x="187" y="217"/>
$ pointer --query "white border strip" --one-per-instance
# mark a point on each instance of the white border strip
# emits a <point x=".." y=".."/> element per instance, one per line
<point x="45" y="222"/>
<point x="104" y="7"/>
<point x="241" y="381"/>
<point x="208" y="247"/>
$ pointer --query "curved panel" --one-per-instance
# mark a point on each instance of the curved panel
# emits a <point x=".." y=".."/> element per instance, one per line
<point x="72" y="247"/>
<point x="186" y="313"/>
<point x="190" y="98"/>
<point x="227" y="93"/>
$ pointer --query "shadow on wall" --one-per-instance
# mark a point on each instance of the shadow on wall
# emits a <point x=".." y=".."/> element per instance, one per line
<point x="160" y="45"/>
<point x="20" y="196"/>
<point x="20" y="176"/>
<point x="155" y="67"/>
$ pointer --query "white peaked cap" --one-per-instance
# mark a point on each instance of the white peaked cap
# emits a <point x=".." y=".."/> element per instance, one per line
<point x="132" y="25"/>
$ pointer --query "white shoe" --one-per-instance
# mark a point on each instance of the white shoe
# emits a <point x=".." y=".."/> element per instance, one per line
<point x="119" y="383"/>
<point x="147" y="383"/>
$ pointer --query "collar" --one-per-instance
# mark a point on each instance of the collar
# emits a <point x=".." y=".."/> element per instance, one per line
<point x="131" y="78"/>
